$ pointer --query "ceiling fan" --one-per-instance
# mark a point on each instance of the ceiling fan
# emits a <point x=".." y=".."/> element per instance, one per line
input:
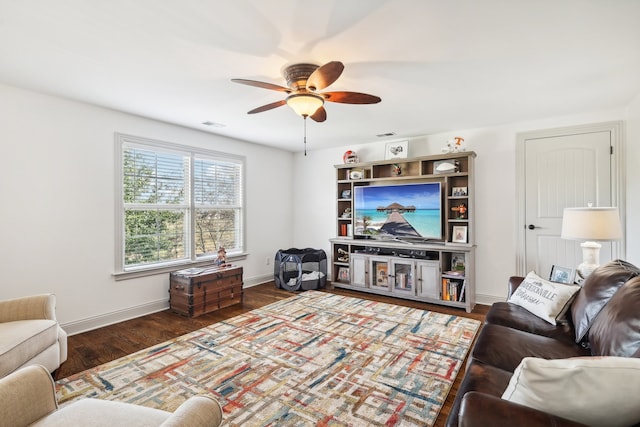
<point x="304" y="82"/>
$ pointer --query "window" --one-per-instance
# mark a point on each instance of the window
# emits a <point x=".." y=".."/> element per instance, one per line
<point x="176" y="204"/>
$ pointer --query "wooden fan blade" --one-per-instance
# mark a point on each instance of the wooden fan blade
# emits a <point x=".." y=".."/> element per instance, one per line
<point x="351" y="97"/>
<point x="268" y="107"/>
<point x="320" y="115"/>
<point x="263" y="85"/>
<point x="325" y="75"/>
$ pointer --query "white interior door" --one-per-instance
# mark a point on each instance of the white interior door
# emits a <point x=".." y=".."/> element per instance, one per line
<point x="563" y="171"/>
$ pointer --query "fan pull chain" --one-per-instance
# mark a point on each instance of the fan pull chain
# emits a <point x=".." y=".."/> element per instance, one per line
<point x="305" y="135"/>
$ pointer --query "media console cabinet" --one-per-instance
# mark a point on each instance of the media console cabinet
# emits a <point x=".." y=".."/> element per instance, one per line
<point x="440" y="272"/>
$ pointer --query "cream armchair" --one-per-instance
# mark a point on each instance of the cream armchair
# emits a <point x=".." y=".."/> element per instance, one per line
<point x="30" y="334"/>
<point x="28" y="398"/>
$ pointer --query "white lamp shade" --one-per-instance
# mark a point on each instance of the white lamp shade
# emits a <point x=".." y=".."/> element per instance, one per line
<point x="305" y="104"/>
<point x="593" y="224"/>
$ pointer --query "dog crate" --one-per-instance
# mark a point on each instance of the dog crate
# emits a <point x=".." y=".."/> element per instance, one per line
<point x="300" y="269"/>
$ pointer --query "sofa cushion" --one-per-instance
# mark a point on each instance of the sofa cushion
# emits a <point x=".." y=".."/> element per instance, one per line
<point x="482" y="410"/>
<point x="505" y="348"/>
<point x="595" y="391"/>
<point x="97" y="412"/>
<point x="514" y="316"/>
<point x="547" y="300"/>
<point x="596" y="291"/>
<point x="22" y="340"/>
<point x="616" y="330"/>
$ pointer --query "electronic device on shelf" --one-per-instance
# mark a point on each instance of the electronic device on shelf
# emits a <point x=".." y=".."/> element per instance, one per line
<point x="399" y="252"/>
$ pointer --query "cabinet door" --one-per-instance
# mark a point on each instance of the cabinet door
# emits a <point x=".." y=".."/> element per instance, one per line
<point x="428" y="273"/>
<point x="379" y="273"/>
<point x="359" y="270"/>
<point x="402" y="276"/>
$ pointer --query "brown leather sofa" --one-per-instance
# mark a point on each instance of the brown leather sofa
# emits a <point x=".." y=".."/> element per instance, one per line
<point x="603" y="320"/>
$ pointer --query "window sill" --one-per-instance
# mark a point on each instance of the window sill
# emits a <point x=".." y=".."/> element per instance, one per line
<point x="126" y="275"/>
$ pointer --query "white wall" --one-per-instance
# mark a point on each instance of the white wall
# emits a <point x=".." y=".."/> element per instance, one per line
<point x="57" y="194"/>
<point x="633" y="181"/>
<point x="57" y="217"/>
<point x="495" y="199"/>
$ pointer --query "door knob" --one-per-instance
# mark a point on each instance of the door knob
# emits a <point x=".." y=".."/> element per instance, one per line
<point x="531" y="227"/>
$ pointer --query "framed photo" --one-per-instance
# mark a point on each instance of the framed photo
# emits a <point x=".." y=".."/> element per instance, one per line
<point x="457" y="262"/>
<point x="343" y="274"/>
<point x="396" y="150"/>
<point x="459" y="192"/>
<point x="382" y="278"/>
<point x="346" y="194"/>
<point x="459" y="234"/>
<point x="562" y="274"/>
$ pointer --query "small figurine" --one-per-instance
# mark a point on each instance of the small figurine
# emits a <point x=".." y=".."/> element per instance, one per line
<point x="461" y="209"/>
<point x="454" y="145"/>
<point x="221" y="260"/>
<point x="396" y="170"/>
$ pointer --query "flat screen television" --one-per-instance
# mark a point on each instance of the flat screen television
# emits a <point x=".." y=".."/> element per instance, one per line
<point x="403" y="211"/>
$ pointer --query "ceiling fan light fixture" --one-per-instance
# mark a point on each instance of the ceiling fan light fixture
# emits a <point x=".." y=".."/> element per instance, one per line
<point x="305" y="104"/>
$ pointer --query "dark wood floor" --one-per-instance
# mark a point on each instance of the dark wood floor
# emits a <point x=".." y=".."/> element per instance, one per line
<point x="99" y="346"/>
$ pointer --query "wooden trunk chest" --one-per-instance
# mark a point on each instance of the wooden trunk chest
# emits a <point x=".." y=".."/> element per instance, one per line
<point x="194" y="292"/>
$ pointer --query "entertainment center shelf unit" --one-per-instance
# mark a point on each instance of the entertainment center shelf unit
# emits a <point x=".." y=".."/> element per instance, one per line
<point x="439" y="271"/>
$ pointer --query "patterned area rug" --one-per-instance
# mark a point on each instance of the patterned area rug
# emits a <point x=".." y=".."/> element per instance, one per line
<point x="313" y="359"/>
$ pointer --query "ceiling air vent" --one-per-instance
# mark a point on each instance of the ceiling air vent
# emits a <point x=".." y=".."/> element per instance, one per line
<point x="213" y="124"/>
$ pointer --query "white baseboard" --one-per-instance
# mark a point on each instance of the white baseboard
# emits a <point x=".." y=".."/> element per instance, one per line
<point x="258" y="280"/>
<point x="488" y="299"/>
<point x="102" y="320"/>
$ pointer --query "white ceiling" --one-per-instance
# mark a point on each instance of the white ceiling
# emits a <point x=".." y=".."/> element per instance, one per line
<point x="437" y="65"/>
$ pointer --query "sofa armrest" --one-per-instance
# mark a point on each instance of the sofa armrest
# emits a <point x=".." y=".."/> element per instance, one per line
<point x="27" y="308"/>
<point x="514" y="282"/>
<point x="27" y="395"/>
<point x="480" y="409"/>
<point x="197" y="411"/>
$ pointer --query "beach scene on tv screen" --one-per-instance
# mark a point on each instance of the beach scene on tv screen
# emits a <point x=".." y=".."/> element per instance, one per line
<point x="409" y="210"/>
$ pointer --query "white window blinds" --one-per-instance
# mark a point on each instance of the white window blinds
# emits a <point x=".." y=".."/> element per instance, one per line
<point x="176" y="204"/>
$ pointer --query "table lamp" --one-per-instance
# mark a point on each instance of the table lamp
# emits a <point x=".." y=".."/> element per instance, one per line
<point x="591" y="225"/>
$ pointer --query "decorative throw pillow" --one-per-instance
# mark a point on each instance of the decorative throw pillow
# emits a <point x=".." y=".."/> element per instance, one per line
<point x="596" y="292"/>
<point x="596" y="391"/>
<point x="616" y="330"/>
<point x="547" y="300"/>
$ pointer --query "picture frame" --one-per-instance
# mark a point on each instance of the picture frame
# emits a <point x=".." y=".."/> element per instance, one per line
<point x="459" y="192"/>
<point x="564" y="275"/>
<point x="343" y="274"/>
<point x="458" y="262"/>
<point x="382" y="277"/>
<point x="396" y="150"/>
<point x="459" y="234"/>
